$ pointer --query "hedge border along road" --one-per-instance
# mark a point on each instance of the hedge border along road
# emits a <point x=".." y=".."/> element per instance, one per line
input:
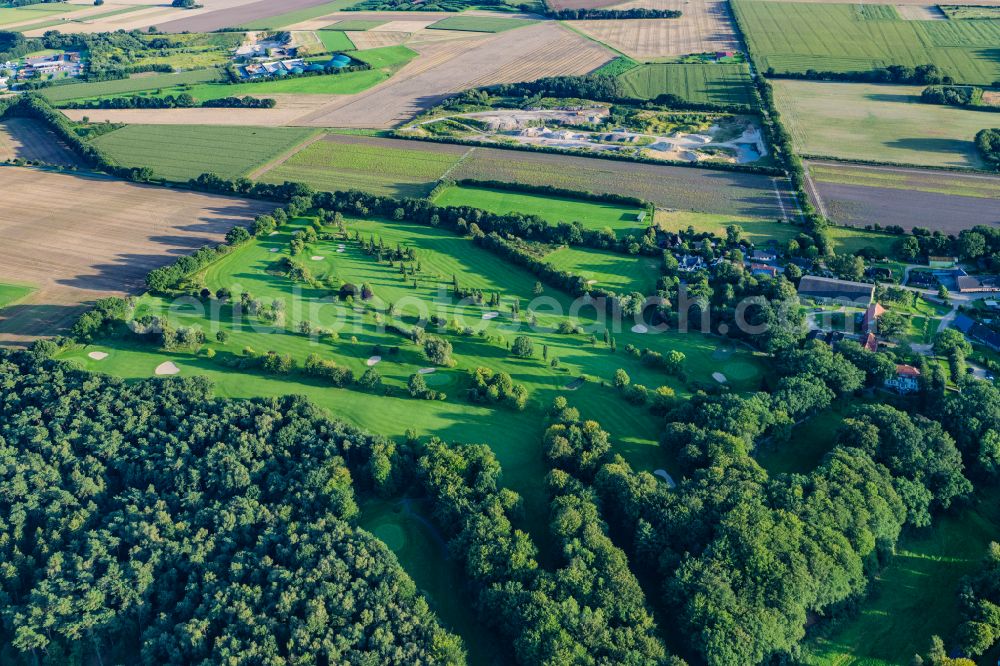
<point x="796" y="37"/>
<point x="182" y="152"/>
<point x="378" y="164"/>
<point x="135" y="84"/>
<point x="724" y="84"/>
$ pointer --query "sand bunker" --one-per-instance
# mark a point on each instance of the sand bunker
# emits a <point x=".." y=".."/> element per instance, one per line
<point x="426" y="371"/>
<point x="273" y="249"/>
<point x="98" y="356"/>
<point x="719" y="377"/>
<point x="491" y="315"/>
<point x="640" y="328"/>
<point x="167" y="368"/>
<point x="317" y="258"/>
<point x="273" y="233"/>
<point x="373" y="360"/>
<point x="591" y="281"/>
<point x="340" y="249"/>
<point x="575" y="384"/>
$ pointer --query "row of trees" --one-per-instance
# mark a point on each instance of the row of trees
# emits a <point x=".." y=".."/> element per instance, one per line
<point x="920" y="75"/>
<point x="181" y="101"/>
<point x="151" y="518"/>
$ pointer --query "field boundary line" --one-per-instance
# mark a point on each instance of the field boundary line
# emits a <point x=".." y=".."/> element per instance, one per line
<point x="811" y="184"/>
<point x="285" y="156"/>
<point x="976" y="174"/>
<point x="457" y="163"/>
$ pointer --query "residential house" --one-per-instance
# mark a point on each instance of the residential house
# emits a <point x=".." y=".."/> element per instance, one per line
<point x="825" y="289"/>
<point x="764" y="269"/>
<point x="968" y="284"/>
<point x="869" y="322"/>
<point x="906" y="380"/>
<point x="689" y="262"/>
<point x="763" y="256"/>
<point x="870" y="342"/>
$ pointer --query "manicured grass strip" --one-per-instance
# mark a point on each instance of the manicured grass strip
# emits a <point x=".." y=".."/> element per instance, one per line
<point x="591" y="214"/>
<point x="479" y="24"/>
<point x="11" y="293"/>
<point x="290" y="18"/>
<point x="695" y="83"/>
<point x="347" y="83"/>
<point x="354" y="25"/>
<point x="605" y="270"/>
<point x="334" y="40"/>
<point x="130" y="85"/>
<point x="182" y="152"/>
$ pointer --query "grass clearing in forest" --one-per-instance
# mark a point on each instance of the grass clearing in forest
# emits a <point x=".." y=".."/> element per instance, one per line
<point x="182" y="152"/>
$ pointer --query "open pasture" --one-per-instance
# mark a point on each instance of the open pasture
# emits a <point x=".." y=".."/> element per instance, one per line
<point x="180" y="153"/>
<point x="877" y="123"/>
<point x="28" y="139"/>
<point x="80" y="238"/>
<point x="479" y="24"/>
<point x="382" y="166"/>
<point x="698" y="84"/>
<point x="335" y="40"/>
<point x="704" y="26"/>
<point x="591" y="214"/>
<point x="861" y="195"/>
<point x="796" y="37"/>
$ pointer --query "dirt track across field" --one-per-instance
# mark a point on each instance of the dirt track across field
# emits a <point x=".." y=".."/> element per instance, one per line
<point x="27" y="139"/>
<point x="79" y="238"/>
<point x="704" y="26"/>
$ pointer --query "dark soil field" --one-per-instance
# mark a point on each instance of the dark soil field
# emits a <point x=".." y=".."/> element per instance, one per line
<point x="27" y="139"/>
<point x="236" y="16"/>
<point x="946" y="201"/>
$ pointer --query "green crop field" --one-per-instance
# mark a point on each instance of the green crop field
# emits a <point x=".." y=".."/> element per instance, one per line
<point x="392" y="57"/>
<point x="335" y="40"/>
<point x="916" y="596"/>
<point x="346" y="162"/>
<point x="695" y="83"/>
<point x="479" y="24"/>
<point x="354" y="25"/>
<point x="347" y="83"/>
<point x="130" y="85"/>
<point x="591" y="214"/>
<point x="11" y="15"/>
<point x="796" y="37"/>
<point x="882" y="123"/>
<point x="182" y="152"/>
<point x="12" y="293"/>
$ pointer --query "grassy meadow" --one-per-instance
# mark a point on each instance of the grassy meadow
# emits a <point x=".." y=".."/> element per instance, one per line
<point x="479" y="24"/>
<point x="694" y="83"/>
<point x="619" y="218"/>
<point x="134" y="84"/>
<point x="882" y="123"/>
<point x="796" y="37"/>
<point x="182" y="152"/>
<point x="335" y="40"/>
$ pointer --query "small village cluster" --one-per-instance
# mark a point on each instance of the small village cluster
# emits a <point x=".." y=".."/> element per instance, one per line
<point x="68" y="64"/>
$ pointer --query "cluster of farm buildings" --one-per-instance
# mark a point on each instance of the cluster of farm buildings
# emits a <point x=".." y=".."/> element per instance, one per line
<point x="68" y="64"/>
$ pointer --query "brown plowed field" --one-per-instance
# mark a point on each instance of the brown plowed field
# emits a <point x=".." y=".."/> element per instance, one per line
<point x="80" y="238"/>
<point x="443" y="68"/>
<point x="27" y="139"/>
<point x="702" y="27"/>
<point x="236" y="14"/>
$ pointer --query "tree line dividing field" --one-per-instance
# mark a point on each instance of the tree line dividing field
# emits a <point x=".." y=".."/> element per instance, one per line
<point x="797" y="37"/>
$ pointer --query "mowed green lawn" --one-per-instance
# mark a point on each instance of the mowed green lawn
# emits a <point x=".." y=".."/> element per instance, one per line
<point x="12" y="293"/>
<point x="608" y="271"/>
<point x="916" y="596"/>
<point x="695" y="83"/>
<point x="796" y="37"/>
<point x="335" y="40"/>
<point x="479" y="24"/>
<point x="343" y="162"/>
<point x="882" y="123"/>
<point x="182" y="152"/>
<point x="620" y="218"/>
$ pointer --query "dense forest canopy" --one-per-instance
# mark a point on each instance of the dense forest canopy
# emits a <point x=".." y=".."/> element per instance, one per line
<point x="153" y="523"/>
